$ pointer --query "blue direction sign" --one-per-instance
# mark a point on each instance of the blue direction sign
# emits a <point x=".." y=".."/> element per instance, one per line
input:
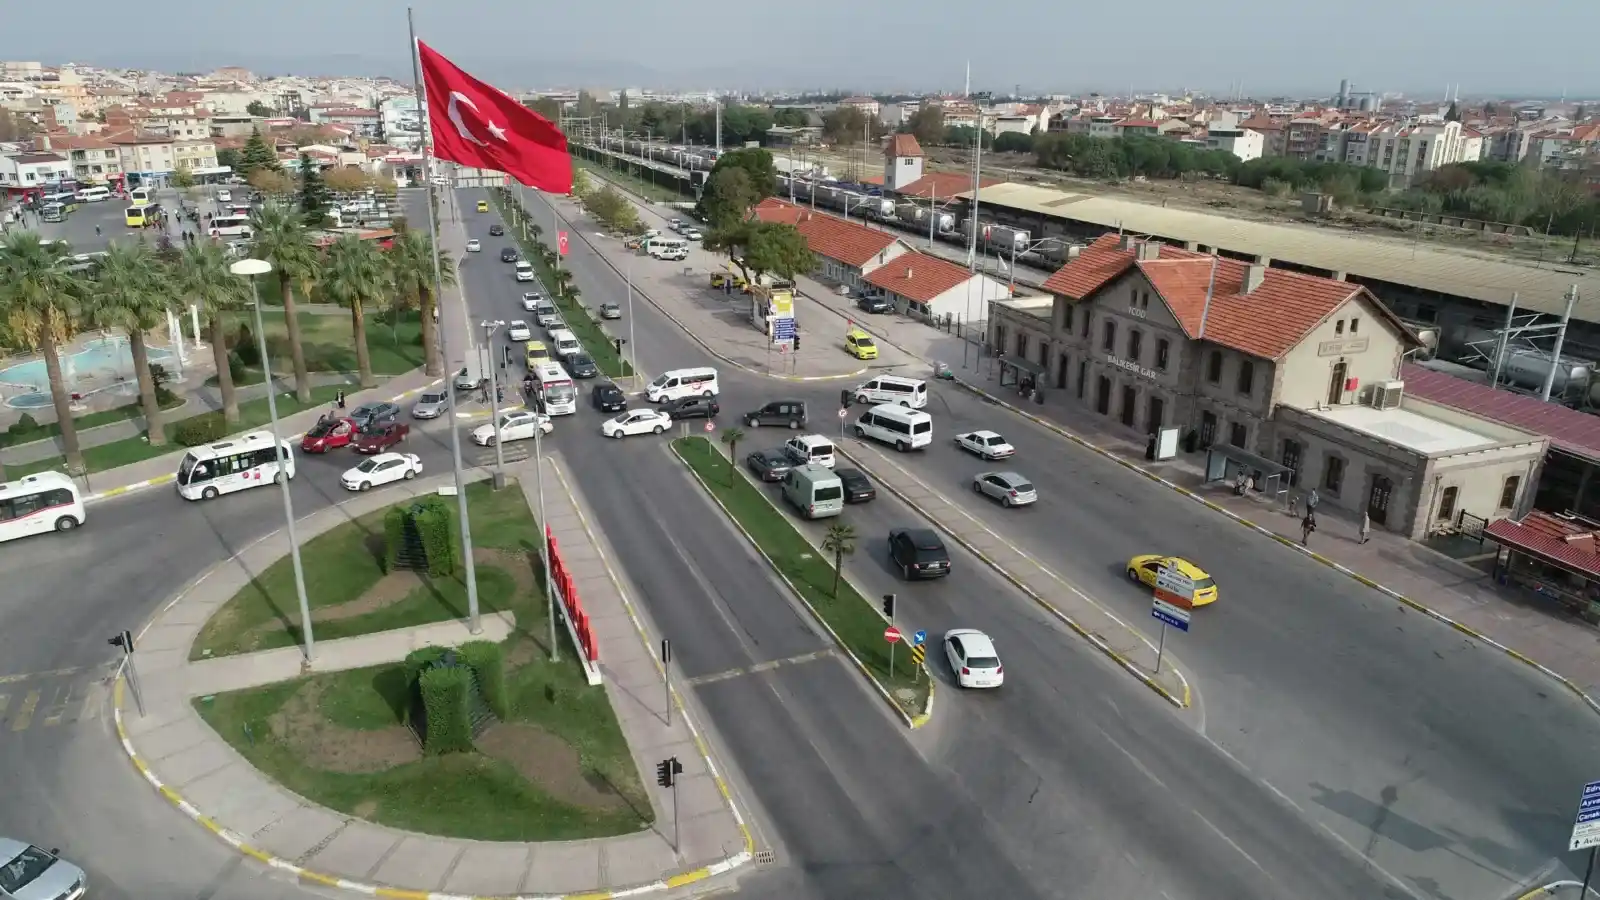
<point x="1170" y="615"/>
<point x="1586" y="825"/>
<point x="783" y="330"/>
<point x="919" y="638"/>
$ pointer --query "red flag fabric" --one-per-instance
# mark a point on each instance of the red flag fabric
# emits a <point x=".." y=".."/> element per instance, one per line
<point x="476" y="124"/>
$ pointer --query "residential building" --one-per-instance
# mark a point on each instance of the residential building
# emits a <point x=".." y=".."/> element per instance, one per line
<point x="1128" y="128"/>
<point x="367" y="122"/>
<point x="152" y="158"/>
<point x="1406" y="150"/>
<point x="1225" y="134"/>
<point x="93" y="158"/>
<point x="233" y="73"/>
<point x="1274" y="134"/>
<point x="1473" y="146"/>
<point x="1287" y="377"/>
<point x="867" y="105"/>
<point x="21" y="71"/>
<point x="1566" y="148"/>
<point x="24" y="172"/>
<point x="847" y="252"/>
<point x="902" y="162"/>
<point x="931" y="288"/>
<point x="1304" y="136"/>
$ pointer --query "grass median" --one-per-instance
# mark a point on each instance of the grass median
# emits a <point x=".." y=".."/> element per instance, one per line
<point x="854" y="620"/>
<point x="580" y="321"/>
<point x="394" y="343"/>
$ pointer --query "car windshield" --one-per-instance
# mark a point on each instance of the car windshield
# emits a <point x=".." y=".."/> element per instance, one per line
<point x="581" y="360"/>
<point x="1022" y="487"/>
<point x="559" y="393"/>
<point x="983" y="662"/>
<point x="368" y="465"/>
<point x="432" y="398"/>
<point x="863" y="342"/>
<point x="506" y="420"/>
<point x="18" y="873"/>
<point x="661" y="381"/>
<point x="321" y="429"/>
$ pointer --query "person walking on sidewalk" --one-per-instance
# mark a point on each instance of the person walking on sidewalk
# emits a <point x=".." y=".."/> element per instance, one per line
<point x="1311" y="502"/>
<point x="1366" y="526"/>
<point x="1308" y="525"/>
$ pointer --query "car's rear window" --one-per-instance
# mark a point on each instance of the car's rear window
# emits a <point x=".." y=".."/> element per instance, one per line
<point x="932" y="554"/>
<point x="922" y="428"/>
<point x="1023" y="488"/>
<point x="831" y="492"/>
<point x="983" y="662"/>
<point x="1204" y="583"/>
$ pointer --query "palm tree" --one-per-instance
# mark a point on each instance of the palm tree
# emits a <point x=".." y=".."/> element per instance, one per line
<point x="732" y="437"/>
<point x="203" y="277"/>
<point x="841" y="542"/>
<point x="355" y="274"/>
<point x="132" y="292"/>
<point x="411" y="257"/>
<point x="39" y="298"/>
<point x="282" y="239"/>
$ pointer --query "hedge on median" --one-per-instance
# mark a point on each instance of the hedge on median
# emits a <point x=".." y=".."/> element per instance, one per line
<point x="488" y="663"/>
<point x="439" y="529"/>
<point x="446" y="695"/>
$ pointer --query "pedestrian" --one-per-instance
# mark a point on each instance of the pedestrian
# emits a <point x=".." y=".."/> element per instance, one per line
<point x="1366" y="527"/>
<point x="97" y="231"/>
<point x="1294" y="504"/>
<point x="1307" y="526"/>
<point x="338" y="398"/>
<point x="1311" y="502"/>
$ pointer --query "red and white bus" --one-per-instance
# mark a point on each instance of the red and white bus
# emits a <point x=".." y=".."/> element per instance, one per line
<point x="34" y="504"/>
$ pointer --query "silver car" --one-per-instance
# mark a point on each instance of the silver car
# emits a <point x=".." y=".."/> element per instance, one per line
<point x="31" y="873"/>
<point x="1010" y="488"/>
<point x="431" y="405"/>
<point x="610" y="311"/>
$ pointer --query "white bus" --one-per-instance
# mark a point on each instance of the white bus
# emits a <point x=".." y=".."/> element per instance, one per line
<point x="232" y="465"/>
<point x="142" y="196"/>
<point x="34" y="504"/>
<point x="231" y="226"/>
<point x="554" y="388"/>
<point x="94" y="194"/>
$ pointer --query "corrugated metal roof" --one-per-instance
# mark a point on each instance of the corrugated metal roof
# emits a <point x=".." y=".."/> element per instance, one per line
<point x="1401" y="262"/>
<point x="1576" y="432"/>
<point x="1568" y="542"/>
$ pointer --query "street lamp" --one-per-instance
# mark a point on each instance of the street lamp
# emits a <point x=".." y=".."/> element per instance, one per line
<point x="489" y="328"/>
<point x="633" y="348"/>
<point x="252" y="269"/>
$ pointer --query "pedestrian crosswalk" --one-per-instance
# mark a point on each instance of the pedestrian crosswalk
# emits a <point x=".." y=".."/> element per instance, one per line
<point x="51" y="699"/>
<point x="514" y="453"/>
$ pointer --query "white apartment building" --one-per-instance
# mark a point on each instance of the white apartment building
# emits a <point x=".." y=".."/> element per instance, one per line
<point x="22" y="171"/>
<point x="400" y="124"/>
<point x="1225" y="134"/>
<point x="1404" y="150"/>
<point x="94" y="159"/>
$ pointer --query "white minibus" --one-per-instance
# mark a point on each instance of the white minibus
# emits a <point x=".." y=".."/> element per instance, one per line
<point x="700" y="382"/>
<point x="896" y="425"/>
<point x="911" y="392"/>
<point x="233" y="465"/>
<point x="34" y="504"/>
<point x="565" y="342"/>
<point x="94" y="195"/>
<point x="556" y="391"/>
<point x="231" y="226"/>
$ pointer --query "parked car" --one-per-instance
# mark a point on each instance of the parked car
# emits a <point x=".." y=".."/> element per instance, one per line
<point x="496" y="230"/>
<point x="376" y="411"/>
<point x="508" y="255"/>
<point x="380" y="436"/>
<point x="770" y="465"/>
<point x="430" y="405"/>
<point x="328" y="434"/>
<point x="607" y="397"/>
<point x="691" y="408"/>
<point x="918" y="553"/>
<point x="610" y="311"/>
<point x="875" y="305"/>
<point x="581" y="365"/>
<point x="637" y="421"/>
<point x="857" y="487"/>
<point x="382" y="469"/>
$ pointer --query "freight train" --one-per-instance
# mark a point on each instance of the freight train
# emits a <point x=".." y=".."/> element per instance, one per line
<point x="692" y="159"/>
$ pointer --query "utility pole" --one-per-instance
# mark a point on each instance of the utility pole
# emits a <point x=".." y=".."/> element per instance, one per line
<point x="719" y="126"/>
<point x="487" y="354"/>
<point x="1561" y="339"/>
<point x="1498" y="362"/>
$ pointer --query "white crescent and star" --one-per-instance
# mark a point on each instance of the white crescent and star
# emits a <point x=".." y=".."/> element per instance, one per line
<point x="456" y="100"/>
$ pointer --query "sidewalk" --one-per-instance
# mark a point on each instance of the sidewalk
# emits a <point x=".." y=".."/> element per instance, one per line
<point x="201" y="774"/>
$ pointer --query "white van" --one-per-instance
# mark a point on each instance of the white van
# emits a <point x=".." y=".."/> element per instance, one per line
<point x="810" y="449"/>
<point x="94" y="195"/>
<point x="893" y="424"/>
<point x="701" y="382"/>
<point x="814" y="491"/>
<point x="908" y="392"/>
<point x="565" y="342"/>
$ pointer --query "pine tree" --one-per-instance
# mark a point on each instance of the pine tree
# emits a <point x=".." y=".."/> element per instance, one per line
<point x="1453" y="114"/>
<point x="314" y="193"/>
<point x="257" y="155"/>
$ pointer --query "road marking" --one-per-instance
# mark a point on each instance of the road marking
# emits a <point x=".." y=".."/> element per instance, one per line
<point x="1230" y="841"/>
<point x="58" y="709"/>
<point x="767" y="666"/>
<point x="5" y="701"/>
<point x="25" y="712"/>
<point x="53" y="673"/>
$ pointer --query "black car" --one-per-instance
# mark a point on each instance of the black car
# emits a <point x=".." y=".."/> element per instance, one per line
<point x="918" y="553"/>
<point x="692" y="408"/>
<point x="497" y="230"/>
<point x="857" y="488"/>
<point x="770" y="465"/>
<point x="875" y="304"/>
<point x="581" y="365"/>
<point x="607" y="397"/>
<point x="788" y="413"/>
<point x="508" y="255"/>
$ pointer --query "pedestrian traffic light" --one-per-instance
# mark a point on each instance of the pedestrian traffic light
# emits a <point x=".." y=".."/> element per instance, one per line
<point x="667" y="771"/>
<point x="888" y="606"/>
<point x="618" y="342"/>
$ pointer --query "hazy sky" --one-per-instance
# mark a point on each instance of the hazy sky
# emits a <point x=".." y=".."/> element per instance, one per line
<point x="1490" y="47"/>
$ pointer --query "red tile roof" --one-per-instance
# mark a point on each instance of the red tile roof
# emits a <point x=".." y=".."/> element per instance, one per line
<point x="903" y="145"/>
<point x="918" y="276"/>
<point x="1266" y="322"/>
<point x="1570" y="430"/>
<point x="934" y="185"/>
<point x="1567" y="541"/>
<point x="827" y="236"/>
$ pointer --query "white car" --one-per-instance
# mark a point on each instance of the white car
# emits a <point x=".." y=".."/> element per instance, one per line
<point x="693" y="234"/>
<point x="986" y="444"/>
<point x="524" y="271"/>
<point x="382" y="469"/>
<point x="224" y="196"/>
<point x="636" y="421"/>
<point x="474" y="246"/>
<point x="973" y="658"/>
<point x="27" y="872"/>
<point x="518" y="330"/>
<point x="675" y="224"/>
<point x="514" y="426"/>
<point x="530" y="301"/>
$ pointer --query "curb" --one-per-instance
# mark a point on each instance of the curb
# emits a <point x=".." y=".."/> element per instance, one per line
<point x="1099" y="644"/>
<point x="1549" y="890"/>
<point x="238" y="842"/>
<point x="912" y="722"/>
<point x="1392" y="594"/>
<point x="168" y="479"/>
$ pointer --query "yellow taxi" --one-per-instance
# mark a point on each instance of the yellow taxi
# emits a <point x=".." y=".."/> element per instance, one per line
<point x="859" y="344"/>
<point x="1143" y="569"/>
<point x="483" y="206"/>
<point x="537" y="353"/>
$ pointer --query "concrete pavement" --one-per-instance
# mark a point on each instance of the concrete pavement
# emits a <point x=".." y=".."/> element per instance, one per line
<point x="197" y="771"/>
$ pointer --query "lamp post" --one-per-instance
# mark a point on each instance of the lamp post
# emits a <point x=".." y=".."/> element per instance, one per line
<point x="489" y="328"/>
<point x="253" y="269"/>
<point x="633" y="348"/>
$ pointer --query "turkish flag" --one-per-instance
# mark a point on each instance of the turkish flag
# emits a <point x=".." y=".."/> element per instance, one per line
<point x="478" y="125"/>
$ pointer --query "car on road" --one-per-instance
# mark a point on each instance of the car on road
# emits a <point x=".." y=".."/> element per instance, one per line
<point x="1010" y="488"/>
<point x="770" y="465"/>
<point x="693" y="234"/>
<point x="675" y="224"/>
<point x="875" y="305"/>
<point x="496" y="230"/>
<point x="376" y="411"/>
<point x="33" y="873"/>
<point x="1143" y="570"/>
<point x="986" y="444"/>
<point x="534" y="353"/>
<point x="691" y="408"/>
<point x="509" y="255"/>
<point x="973" y="659"/>
<point x="483" y="206"/>
<point x="380" y="436"/>
<point x="518" y="330"/>
<point x="430" y="405"/>
<point x="636" y="421"/>
<point x="524" y="270"/>
<point x="384" y="468"/>
<point x="328" y="434"/>
<point x="788" y="413"/>
<point x="552" y="324"/>
<point x="530" y="300"/>
<point x="918" y="553"/>
<point x="581" y="365"/>
<point x="858" y="487"/>
<point x="224" y="196"/>
<point x="513" y="426"/>
<point x="607" y="397"/>
<point x="859" y="344"/>
<point x="474" y="246"/>
<point x="610" y="311"/>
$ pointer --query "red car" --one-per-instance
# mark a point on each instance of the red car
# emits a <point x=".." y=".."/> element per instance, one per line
<point x="378" y="437"/>
<point x="328" y="434"/>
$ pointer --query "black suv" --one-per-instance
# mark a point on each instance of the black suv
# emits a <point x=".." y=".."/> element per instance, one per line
<point x="497" y="230"/>
<point x="692" y="408"/>
<point x="875" y="304"/>
<point x="918" y="553"/>
<point x="607" y="397"/>
<point x="788" y="413"/>
<point x="508" y="255"/>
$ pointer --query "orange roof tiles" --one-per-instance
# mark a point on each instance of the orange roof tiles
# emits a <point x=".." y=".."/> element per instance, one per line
<point x="903" y="145"/>
<point x="934" y="185"/>
<point x="918" y="276"/>
<point x="834" y="238"/>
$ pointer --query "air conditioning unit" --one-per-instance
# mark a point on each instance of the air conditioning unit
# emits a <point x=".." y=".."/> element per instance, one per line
<point x="1386" y="394"/>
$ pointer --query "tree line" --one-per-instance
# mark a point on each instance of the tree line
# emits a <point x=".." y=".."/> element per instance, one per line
<point x="740" y="180"/>
<point x="1496" y="191"/>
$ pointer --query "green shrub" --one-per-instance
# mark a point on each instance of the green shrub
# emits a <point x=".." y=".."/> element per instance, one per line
<point x="201" y="429"/>
<point x="244" y="346"/>
<point x="23" y="428"/>
<point x="419" y="660"/>
<point x="437" y="526"/>
<point x="445" y="695"/>
<point x="394" y="536"/>
<point x="489" y="664"/>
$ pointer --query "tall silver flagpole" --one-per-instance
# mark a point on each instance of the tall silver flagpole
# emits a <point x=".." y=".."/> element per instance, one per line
<point x="474" y="619"/>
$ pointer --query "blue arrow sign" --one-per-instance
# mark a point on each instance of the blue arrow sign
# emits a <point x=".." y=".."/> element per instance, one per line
<point x="919" y="638"/>
<point x="1168" y="618"/>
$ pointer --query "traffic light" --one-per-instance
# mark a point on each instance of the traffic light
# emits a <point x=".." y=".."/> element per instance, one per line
<point x="618" y="342"/>
<point x="845" y="399"/>
<point x="888" y="606"/>
<point x="667" y="771"/>
<point x="123" y="640"/>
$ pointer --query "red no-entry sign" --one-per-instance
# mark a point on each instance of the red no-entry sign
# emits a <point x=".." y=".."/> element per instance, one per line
<point x="891" y="634"/>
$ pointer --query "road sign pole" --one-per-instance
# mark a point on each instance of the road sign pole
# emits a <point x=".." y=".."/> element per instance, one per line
<point x="891" y="659"/>
<point x="666" y="670"/>
<point x="1161" y="646"/>
<point x="1588" y="875"/>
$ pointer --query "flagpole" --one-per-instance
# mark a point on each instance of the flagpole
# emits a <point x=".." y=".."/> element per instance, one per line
<point x="474" y="619"/>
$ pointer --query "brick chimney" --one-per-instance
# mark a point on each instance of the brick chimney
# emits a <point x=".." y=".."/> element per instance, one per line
<point x="1149" y="250"/>
<point x="1127" y="242"/>
<point x="1254" y="276"/>
<point x="908" y="273"/>
<point x="1583" y="542"/>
